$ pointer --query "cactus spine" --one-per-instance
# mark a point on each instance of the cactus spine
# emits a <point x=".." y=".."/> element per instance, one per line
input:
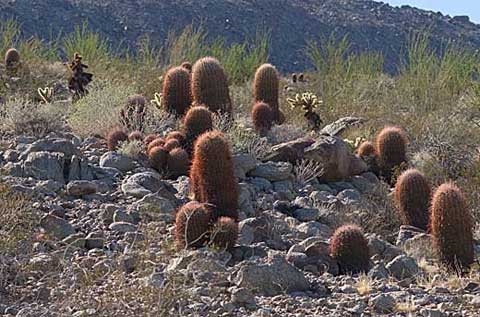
<point x="192" y="224"/>
<point x="266" y="88"/>
<point x="349" y="248"/>
<point x="262" y="117"/>
<point x="177" y="91"/>
<point x="391" y="148"/>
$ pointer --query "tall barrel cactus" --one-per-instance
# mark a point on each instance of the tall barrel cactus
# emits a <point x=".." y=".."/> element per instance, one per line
<point x="177" y="91"/>
<point x="12" y="60"/>
<point x="451" y="227"/>
<point x="266" y="89"/>
<point x="391" y="148"/>
<point x="262" y="117"/>
<point x="212" y="176"/>
<point x="412" y="195"/>
<point x="192" y="225"/>
<point x="349" y="248"/>
<point x="210" y="86"/>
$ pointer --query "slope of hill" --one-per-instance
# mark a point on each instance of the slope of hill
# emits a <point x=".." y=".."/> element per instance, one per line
<point x="371" y="25"/>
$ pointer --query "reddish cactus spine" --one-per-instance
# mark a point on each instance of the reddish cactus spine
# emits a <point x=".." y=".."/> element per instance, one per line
<point x="172" y="144"/>
<point x="451" y="227"/>
<point x="212" y="176"/>
<point x="366" y="149"/>
<point x="266" y="89"/>
<point x="155" y="143"/>
<point x="12" y="59"/>
<point x="179" y="136"/>
<point x="149" y="138"/>
<point x="262" y="117"/>
<point x="192" y="225"/>
<point x="178" y="163"/>
<point x="114" y="138"/>
<point x="197" y="121"/>
<point x="177" y="91"/>
<point x="158" y="157"/>
<point x="349" y="248"/>
<point x="210" y="86"/>
<point x="412" y="195"/>
<point x="136" y="136"/>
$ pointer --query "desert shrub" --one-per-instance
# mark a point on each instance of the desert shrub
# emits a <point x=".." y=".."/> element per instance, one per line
<point x="132" y="149"/>
<point x="20" y="116"/>
<point x="98" y="112"/>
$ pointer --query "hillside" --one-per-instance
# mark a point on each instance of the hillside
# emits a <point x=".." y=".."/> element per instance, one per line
<point x="371" y="25"/>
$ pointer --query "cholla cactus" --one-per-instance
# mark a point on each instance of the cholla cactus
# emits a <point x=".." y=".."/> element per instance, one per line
<point x="308" y="102"/>
<point x="157" y="100"/>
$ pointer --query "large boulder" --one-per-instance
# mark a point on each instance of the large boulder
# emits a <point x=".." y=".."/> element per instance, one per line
<point x="116" y="160"/>
<point x="45" y="166"/>
<point x="141" y="184"/>
<point x="332" y="153"/>
<point x="273" y="171"/>
<point x="270" y="277"/>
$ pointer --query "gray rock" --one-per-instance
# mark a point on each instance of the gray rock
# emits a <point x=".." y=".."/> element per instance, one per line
<point x="246" y="234"/>
<point x="57" y="227"/>
<point x="406" y="233"/>
<point x="291" y="151"/>
<point x="332" y="153"/>
<point x="272" y="277"/>
<point x="81" y="188"/>
<point x="53" y="145"/>
<point x="45" y="166"/>
<point x="314" y="228"/>
<point x="378" y="271"/>
<point x="361" y="183"/>
<point x="383" y="303"/>
<point x="285" y="186"/>
<point x="94" y="240"/>
<point x="242" y="296"/>
<point x="428" y="312"/>
<point x="243" y="163"/>
<point x="122" y="227"/>
<point x="273" y="171"/>
<point x="10" y="155"/>
<point x="420" y="247"/>
<point x="121" y="215"/>
<point x="382" y="248"/>
<point x="403" y="267"/>
<point x="349" y="196"/>
<point x="261" y="184"/>
<point x="306" y="214"/>
<point x="13" y="169"/>
<point x="156" y="207"/>
<point x="141" y="184"/>
<point x="74" y="172"/>
<point x="337" y="127"/>
<point x="113" y="159"/>
<point x="49" y="186"/>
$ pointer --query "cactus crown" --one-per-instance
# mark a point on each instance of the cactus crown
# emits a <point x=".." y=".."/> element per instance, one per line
<point x="176" y="91"/>
<point x="262" y="117"/>
<point x="451" y="227"/>
<point x="412" y="195"/>
<point x="210" y="85"/>
<point x="350" y="248"/>
<point x="212" y="174"/>
<point x="115" y="137"/>
<point x="266" y="85"/>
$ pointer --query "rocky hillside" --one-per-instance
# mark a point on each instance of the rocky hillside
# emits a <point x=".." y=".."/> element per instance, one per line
<point x="371" y="25"/>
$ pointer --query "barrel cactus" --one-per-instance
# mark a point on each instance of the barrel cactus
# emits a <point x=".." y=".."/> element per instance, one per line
<point x="158" y="157"/>
<point x="197" y="121"/>
<point x="451" y="227"/>
<point x="178" y="163"/>
<point x="262" y="117"/>
<point x="349" y="248"/>
<point x="12" y="60"/>
<point x="115" y="138"/>
<point x="391" y="149"/>
<point x="176" y="91"/>
<point x="266" y="89"/>
<point x="224" y="233"/>
<point x="192" y="225"/>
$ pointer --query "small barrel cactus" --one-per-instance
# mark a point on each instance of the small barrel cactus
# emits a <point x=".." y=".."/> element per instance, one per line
<point x="115" y="138"/>
<point x="155" y="143"/>
<point x="192" y="225"/>
<point x="367" y="149"/>
<point x="224" y="233"/>
<point x="210" y="86"/>
<point x="349" y="248"/>
<point x="136" y="136"/>
<point x="176" y="91"/>
<point x="412" y="195"/>
<point x="149" y="138"/>
<point x="179" y="136"/>
<point x="12" y="59"/>
<point x="266" y="89"/>
<point x="212" y="176"/>
<point x="197" y="121"/>
<point x="451" y="227"/>
<point x="391" y="148"/>
<point x="187" y="66"/>
<point x="172" y="144"/>
<point x="262" y="117"/>
<point x="158" y="157"/>
<point x="178" y="163"/>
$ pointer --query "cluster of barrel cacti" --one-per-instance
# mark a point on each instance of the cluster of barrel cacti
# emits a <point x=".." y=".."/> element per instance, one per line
<point x="212" y="218"/>
<point x="387" y="157"/>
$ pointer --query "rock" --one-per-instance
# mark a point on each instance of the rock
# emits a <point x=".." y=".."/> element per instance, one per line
<point x="337" y="127"/>
<point x="379" y="271"/>
<point x="314" y="228"/>
<point x="427" y="312"/>
<point x="156" y="207"/>
<point x="10" y="155"/>
<point x="284" y="207"/>
<point x="273" y="171"/>
<point x="243" y="163"/>
<point x="76" y="240"/>
<point x="141" y="184"/>
<point x="121" y="216"/>
<point x="357" y="166"/>
<point x="246" y="234"/>
<point x="56" y="227"/>
<point x="332" y="153"/>
<point x="383" y="303"/>
<point x="116" y="160"/>
<point x="242" y="296"/>
<point x="13" y="169"/>
<point x="349" y="196"/>
<point x="291" y="151"/>
<point x="420" y="247"/>
<point x="283" y="186"/>
<point x="403" y="267"/>
<point x="306" y="214"/>
<point x="122" y="227"/>
<point x="52" y="145"/>
<point x="382" y="248"/>
<point x="406" y="233"/>
<point x="361" y="183"/>
<point x="81" y="188"/>
<point x="261" y="184"/>
<point x="94" y="240"/>
<point x="49" y="186"/>
<point x="271" y="277"/>
<point x="45" y="166"/>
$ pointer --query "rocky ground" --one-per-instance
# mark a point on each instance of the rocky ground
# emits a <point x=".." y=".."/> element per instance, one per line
<point x="104" y="243"/>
